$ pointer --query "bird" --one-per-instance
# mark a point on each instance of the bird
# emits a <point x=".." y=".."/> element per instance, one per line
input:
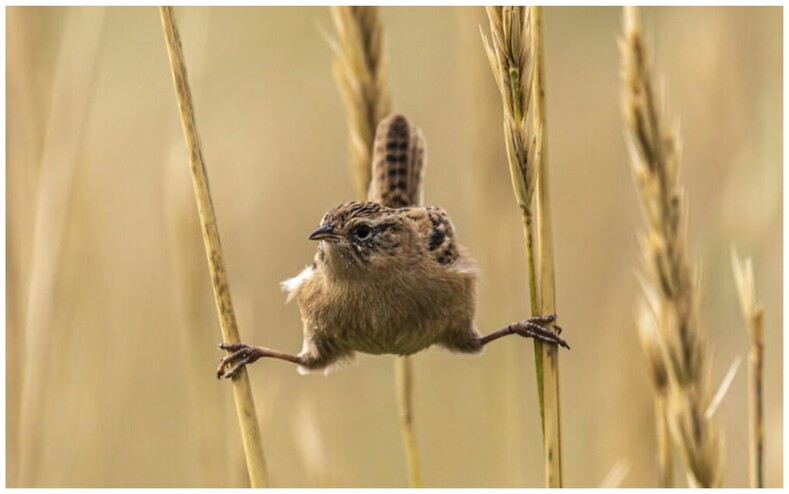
<point x="389" y="276"/>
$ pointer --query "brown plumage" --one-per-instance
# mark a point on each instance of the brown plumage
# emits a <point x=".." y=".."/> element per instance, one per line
<point x="388" y="276"/>
<point x="398" y="161"/>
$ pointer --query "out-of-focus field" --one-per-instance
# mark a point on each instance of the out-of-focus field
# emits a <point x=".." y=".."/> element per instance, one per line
<point x="111" y="330"/>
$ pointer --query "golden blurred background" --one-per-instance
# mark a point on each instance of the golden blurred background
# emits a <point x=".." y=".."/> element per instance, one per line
<point x="111" y="328"/>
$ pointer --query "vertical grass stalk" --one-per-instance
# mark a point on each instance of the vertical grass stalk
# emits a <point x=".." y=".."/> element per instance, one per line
<point x="669" y="312"/>
<point x="550" y="355"/>
<point x="754" y="318"/>
<point x="360" y="72"/>
<point x="214" y="449"/>
<point x="242" y="392"/>
<point x="510" y="52"/>
<point x="405" y="398"/>
<point x="213" y="442"/>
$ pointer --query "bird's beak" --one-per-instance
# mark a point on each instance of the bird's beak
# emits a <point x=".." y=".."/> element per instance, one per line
<point x="323" y="233"/>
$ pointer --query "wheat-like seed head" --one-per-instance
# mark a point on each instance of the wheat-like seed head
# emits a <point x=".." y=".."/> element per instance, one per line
<point x="360" y="71"/>
<point x="743" y="276"/>
<point x="652" y="346"/>
<point x="668" y="322"/>
<point x="746" y="291"/>
<point x="509" y="55"/>
<point x="699" y="443"/>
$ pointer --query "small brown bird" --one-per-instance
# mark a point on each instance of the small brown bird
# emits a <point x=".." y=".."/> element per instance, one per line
<point x="389" y="276"/>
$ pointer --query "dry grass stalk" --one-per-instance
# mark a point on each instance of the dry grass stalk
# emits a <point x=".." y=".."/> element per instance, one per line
<point x="405" y="398"/>
<point x="509" y="55"/>
<point x="213" y="442"/>
<point x="360" y="71"/>
<point x="671" y="287"/>
<point x="754" y="318"/>
<point x="242" y="392"/>
<point x="549" y="360"/>
<point x="71" y="93"/>
<point x="514" y="31"/>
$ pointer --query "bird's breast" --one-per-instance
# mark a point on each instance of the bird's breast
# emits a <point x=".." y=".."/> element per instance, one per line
<point x="390" y="316"/>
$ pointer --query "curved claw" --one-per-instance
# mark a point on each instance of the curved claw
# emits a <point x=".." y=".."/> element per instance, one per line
<point x="531" y="329"/>
<point x="241" y="356"/>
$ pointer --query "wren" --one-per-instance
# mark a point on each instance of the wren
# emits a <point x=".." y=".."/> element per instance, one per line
<point x="389" y="276"/>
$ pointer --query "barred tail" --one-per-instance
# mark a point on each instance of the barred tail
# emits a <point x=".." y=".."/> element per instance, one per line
<point x="398" y="159"/>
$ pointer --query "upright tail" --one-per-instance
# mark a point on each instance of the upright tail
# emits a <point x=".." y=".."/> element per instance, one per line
<point x="398" y="160"/>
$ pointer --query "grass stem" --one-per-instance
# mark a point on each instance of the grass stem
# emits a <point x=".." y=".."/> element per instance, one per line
<point x="242" y="391"/>
<point x="756" y="402"/>
<point x="515" y="56"/>
<point x="754" y="318"/>
<point x="547" y="284"/>
<point x="405" y="398"/>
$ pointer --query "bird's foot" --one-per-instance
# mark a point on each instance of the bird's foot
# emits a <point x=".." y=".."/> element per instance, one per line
<point x="241" y="356"/>
<point x="534" y="328"/>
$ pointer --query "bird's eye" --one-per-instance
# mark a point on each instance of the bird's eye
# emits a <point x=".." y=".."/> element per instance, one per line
<point x="362" y="231"/>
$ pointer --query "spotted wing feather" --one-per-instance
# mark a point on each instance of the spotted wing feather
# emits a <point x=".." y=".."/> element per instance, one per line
<point x="438" y="232"/>
<point x="441" y="241"/>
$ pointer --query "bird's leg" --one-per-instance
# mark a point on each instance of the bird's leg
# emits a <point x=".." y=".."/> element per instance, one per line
<point x="530" y="328"/>
<point x="246" y="354"/>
